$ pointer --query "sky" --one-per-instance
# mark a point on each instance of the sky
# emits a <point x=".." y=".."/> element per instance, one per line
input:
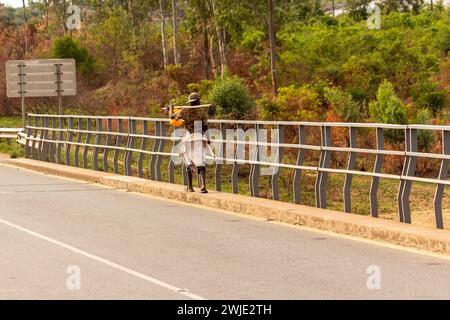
<point x="13" y="3"/>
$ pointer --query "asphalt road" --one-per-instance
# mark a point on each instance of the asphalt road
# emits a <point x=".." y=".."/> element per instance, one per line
<point x="64" y="239"/>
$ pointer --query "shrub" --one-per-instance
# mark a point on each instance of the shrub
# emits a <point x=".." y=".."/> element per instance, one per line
<point x="343" y="104"/>
<point x="357" y="9"/>
<point x="388" y="108"/>
<point x="425" y="138"/>
<point x="252" y="38"/>
<point x="427" y="95"/>
<point x="182" y="75"/>
<point x="292" y="103"/>
<point x="203" y="88"/>
<point x="66" y="48"/>
<point x="231" y="98"/>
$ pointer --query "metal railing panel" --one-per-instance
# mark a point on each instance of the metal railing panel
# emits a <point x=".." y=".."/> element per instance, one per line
<point x="47" y="136"/>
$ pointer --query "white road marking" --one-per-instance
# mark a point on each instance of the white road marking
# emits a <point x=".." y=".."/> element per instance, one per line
<point x="114" y="265"/>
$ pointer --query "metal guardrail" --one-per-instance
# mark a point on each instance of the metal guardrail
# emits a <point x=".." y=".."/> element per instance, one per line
<point x="9" y="133"/>
<point x="61" y="139"/>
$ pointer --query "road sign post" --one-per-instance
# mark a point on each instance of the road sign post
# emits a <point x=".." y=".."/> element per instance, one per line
<point x="59" y="85"/>
<point x="22" y="92"/>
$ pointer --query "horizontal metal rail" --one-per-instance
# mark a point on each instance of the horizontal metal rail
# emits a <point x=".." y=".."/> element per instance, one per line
<point x="9" y="133"/>
<point x="142" y="142"/>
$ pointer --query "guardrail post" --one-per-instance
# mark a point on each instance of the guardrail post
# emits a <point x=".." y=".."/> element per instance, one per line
<point x="109" y="128"/>
<point x="41" y="136"/>
<point x="27" y="138"/>
<point x="60" y="140"/>
<point x="98" y="128"/>
<point x="76" y="157"/>
<point x="88" y="141"/>
<point x="324" y="162"/>
<point x="220" y="155"/>
<point x="143" y="146"/>
<point x="69" y="140"/>
<point x="118" y="143"/>
<point x="153" y="175"/>
<point x="379" y="159"/>
<point x="54" y="139"/>
<point x="443" y="174"/>
<point x="130" y="145"/>
<point x="34" y="153"/>
<point x="52" y="145"/>
<point x="255" y="168"/>
<point x="409" y="170"/>
<point x="300" y="158"/>
<point x="239" y="152"/>
<point x="171" y="166"/>
<point x="349" y="176"/>
<point x="159" y="157"/>
<point x="278" y="159"/>
<point x="44" y="136"/>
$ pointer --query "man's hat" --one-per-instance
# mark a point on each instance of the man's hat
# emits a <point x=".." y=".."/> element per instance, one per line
<point x="194" y="96"/>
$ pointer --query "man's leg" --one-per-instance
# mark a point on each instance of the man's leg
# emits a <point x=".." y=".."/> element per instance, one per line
<point x="202" y="177"/>
<point x="189" y="187"/>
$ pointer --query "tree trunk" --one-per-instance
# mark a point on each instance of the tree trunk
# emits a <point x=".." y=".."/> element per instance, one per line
<point x="211" y="56"/>
<point x="163" y="33"/>
<point x="334" y="8"/>
<point x="221" y="43"/>
<point x="273" y="57"/>
<point x="26" y="27"/>
<point x="64" y="17"/>
<point x="205" y="50"/>
<point x="130" y="11"/>
<point x="222" y="55"/>
<point x="176" y="55"/>
<point x="47" y="12"/>
<point x="431" y="5"/>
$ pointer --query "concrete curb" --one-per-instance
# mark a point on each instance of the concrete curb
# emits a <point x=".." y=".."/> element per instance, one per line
<point x="432" y="240"/>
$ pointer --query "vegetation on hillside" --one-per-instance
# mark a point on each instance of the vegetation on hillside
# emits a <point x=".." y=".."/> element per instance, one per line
<point x="326" y="67"/>
<point x="133" y="57"/>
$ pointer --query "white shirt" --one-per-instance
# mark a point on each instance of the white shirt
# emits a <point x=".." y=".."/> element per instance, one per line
<point x="194" y="149"/>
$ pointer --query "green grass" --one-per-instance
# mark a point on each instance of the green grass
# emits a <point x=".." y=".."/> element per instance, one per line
<point x="10" y="122"/>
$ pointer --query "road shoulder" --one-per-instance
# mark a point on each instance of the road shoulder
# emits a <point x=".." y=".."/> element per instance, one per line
<point x="384" y="231"/>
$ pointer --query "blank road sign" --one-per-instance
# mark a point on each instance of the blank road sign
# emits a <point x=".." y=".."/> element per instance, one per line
<point x="40" y="78"/>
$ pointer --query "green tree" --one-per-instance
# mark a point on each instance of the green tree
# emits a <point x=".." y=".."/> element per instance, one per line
<point x="343" y="104"/>
<point x="357" y="9"/>
<point x="66" y="47"/>
<point x="115" y="33"/>
<point x="425" y="138"/>
<point x="388" y="108"/>
<point x="293" y="103"/>
<point x="427" y="95"/>
<point x="231" y="98"/>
